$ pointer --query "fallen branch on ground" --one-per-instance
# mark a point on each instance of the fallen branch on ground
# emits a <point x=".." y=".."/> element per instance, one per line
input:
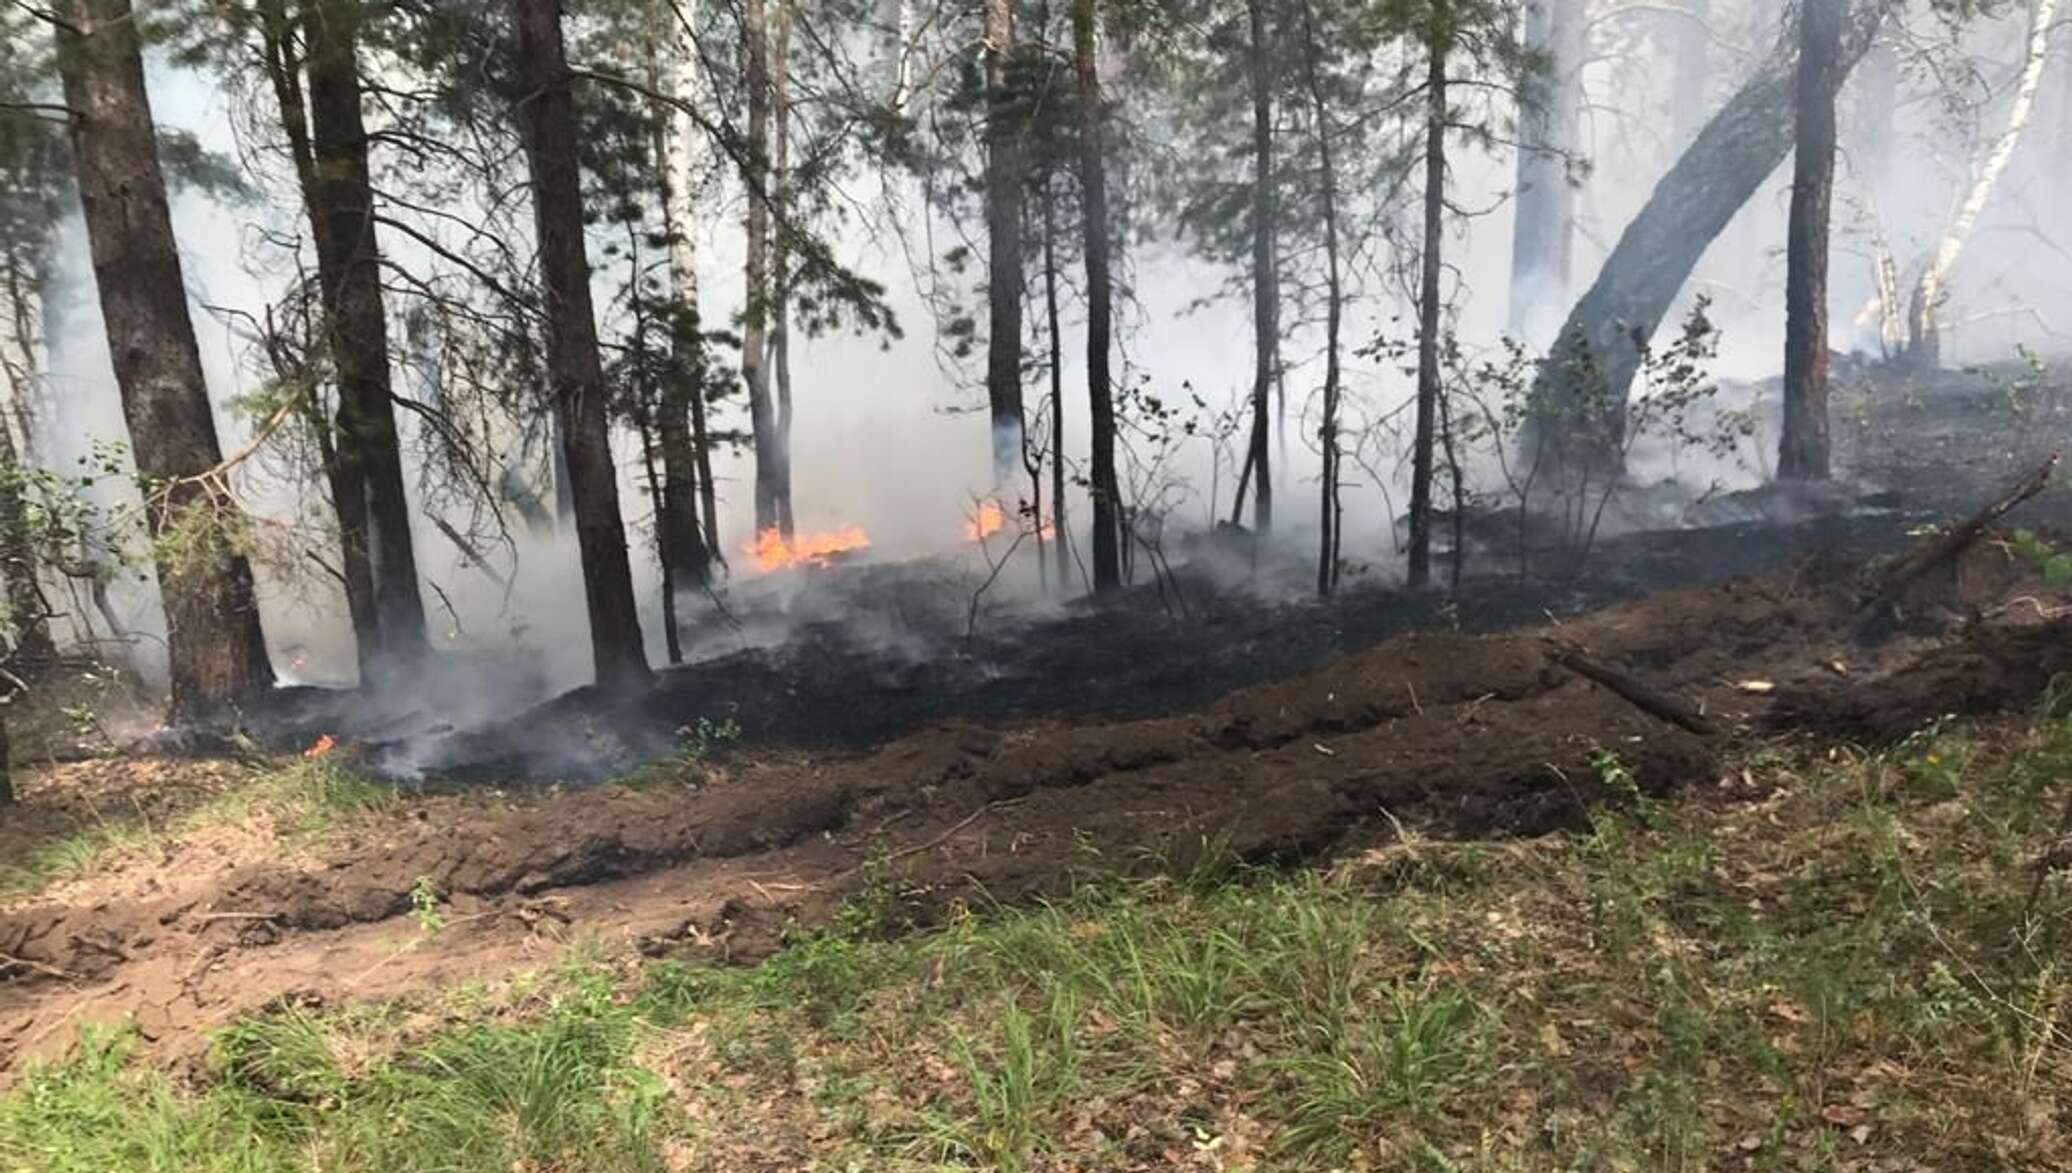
<point x="1645" y="697"/>
<point x="1871" y="621"/>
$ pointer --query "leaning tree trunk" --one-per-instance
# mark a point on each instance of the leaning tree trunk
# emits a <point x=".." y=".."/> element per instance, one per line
<point x="349" y="272"/>
<point x="574" y="367"/>
<point x="1543" y="225"/>
<point x="215" y="649"/>
<point x="1726" y="164"/>
<point x="1924" y="333"/>
<point x="755" y="333"/>
<point x="1004" y="245"/>
<point x="1266" y="287"/>
<point x="1803" y="452"/>
<point x="1420" y="569"/>
<point x="1093" y="182"/>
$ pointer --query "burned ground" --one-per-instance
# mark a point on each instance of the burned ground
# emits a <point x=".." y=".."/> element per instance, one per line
<point x="1106" y="741"/>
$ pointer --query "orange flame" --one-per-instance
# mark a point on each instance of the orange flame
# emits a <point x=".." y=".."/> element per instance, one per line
<point x="320" y="747"/>
<point x="771" y="551"/>
<point x="988" y="521"/>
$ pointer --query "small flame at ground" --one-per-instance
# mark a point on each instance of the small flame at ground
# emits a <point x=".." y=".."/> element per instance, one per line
<point x="320" y="747"/>
<point x="988" y="521"/>
<point x="771" y="551"/>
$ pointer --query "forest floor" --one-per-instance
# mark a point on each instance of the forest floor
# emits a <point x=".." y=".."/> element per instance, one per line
<point x="1512" y="934"/>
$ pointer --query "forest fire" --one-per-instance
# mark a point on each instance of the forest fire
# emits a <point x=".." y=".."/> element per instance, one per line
<point x="989" y="520"/>
<point x="771" y="550"/>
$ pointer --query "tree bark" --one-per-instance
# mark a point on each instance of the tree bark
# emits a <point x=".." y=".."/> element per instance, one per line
<point x="573" y="363"/>
<point x="755" y="333"/>
<point x="1093" y="182"/>
<point x="1334" y="314"/>
<point x="1420" y="569"/>
<point x="1549" y="131"/>
<point x="685" y="556"/>
<point x="1803" y="451"/>
<point x="682" y="157"/>
<point x="1266" y="291"/>
<point x="1004" y="244"/>
<point x="1727" y="163"/>
<point x="1061" y="528"/>
<point x="216" y="652"/>
<point x="1924" y="334"/>
<point x="349" y="272"/>
<point x="780" y="283"/>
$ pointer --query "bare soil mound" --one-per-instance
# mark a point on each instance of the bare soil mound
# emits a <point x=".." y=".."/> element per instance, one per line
<point x="1434" y="733"/>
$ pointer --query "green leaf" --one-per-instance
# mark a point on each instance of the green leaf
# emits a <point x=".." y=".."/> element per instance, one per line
<point x="2057" y="570"/>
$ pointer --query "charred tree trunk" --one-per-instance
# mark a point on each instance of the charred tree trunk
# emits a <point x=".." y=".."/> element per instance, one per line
<point x="1803" y="452"/>
<point x="1061" y="528"/>
<point x="1004" y="244"/>
<point x="1420" y="570"/>
<point x="349" y="271"/>
<point x="1738" y="149"/>
<point x="216" y="651"/>
<point x="1549" y="130"/>
<point x="1266" y="290"/>
<point x="573" y="363"/>
<point x="1100" y="313"/>
<point x="755" y="335"/>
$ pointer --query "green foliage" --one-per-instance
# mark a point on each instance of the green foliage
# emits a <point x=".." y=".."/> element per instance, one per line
<point x="2053" y="564"/>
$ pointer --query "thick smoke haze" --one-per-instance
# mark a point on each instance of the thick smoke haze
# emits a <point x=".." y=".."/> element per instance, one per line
<point x="893" y="436"/>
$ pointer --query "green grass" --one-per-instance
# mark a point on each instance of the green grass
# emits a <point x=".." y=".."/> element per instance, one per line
<point x="1848" y="965"/>
<point x="302" y="797"/>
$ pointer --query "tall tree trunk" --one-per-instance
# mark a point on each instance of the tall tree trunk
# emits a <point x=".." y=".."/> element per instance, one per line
<point x="1266" y="286"/>
<point x="573" y="363"/>
<point x="345" y="479"/>
<point x="1004" y="243"/>
<point x="349" y="271"/>
<point x="755" y="333"/>
<point x="1420" y="572"/>
<point x="1924" y="334"/>
<point x="682" y="169"/>
<point x="1726" y="164"/>
<point x="685" y="557"/>
<point x="1060" y="526"/>
<point x="1107" y="499"/>
<point x="780" y="296"/>
<point x="1543" y="226"/>
<point x="1334" y="312"/>
<point x="216" y="651"/>
<point x="1803" y="452"/>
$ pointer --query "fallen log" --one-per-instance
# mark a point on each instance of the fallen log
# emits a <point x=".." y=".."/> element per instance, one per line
<point x="1873" y="621"/>
<point x="1643" y="696"/>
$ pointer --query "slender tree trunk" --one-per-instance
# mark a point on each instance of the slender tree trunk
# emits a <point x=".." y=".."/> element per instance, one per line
<point x="755" y="334"/>
<point x="1727" y="163"/>
<point x="574" y="365"/>
<point x="686" y="559"/>
<point x="1266" y="287"/>
<point x="1107" y="500"/>
<point x="780" y="297"/>
<point x="1803" y="453"/>
<point x="1060" y="526"/>
<point x="1334" y="311"/>
<point x="1924" y="335"/>
<point x="1428" y="305"/>
<point x="682" y="168"/>
<point x="1549" y="136"/>
<point x="1004" y="242"/>
<point x="349" y="271"/>
<point x="216" y="651"/>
